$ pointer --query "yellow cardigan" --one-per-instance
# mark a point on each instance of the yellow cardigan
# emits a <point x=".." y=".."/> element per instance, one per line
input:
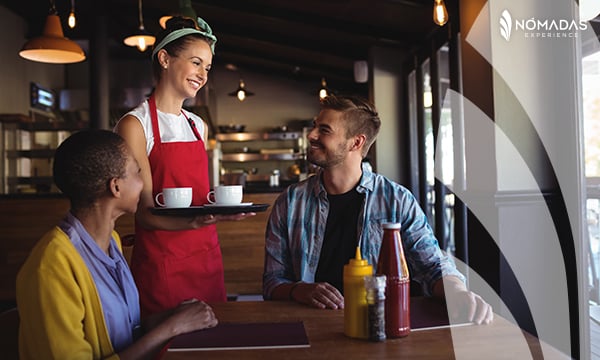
<point x="59" y="306"/>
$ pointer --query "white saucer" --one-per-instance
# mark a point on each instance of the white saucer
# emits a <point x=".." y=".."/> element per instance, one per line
<point x="225" y="205"/>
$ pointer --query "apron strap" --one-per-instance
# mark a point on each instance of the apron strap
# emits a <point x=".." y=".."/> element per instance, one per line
<point x="192" y="125"/>
<point x="154" y="119"/>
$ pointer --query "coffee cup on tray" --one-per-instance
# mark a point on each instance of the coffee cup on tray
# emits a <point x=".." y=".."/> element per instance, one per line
<point x="226" y="195"/>
<point x="177" y="197"/>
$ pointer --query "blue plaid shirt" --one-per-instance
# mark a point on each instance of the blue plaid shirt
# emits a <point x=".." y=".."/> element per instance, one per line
<point x="296" y="228"/>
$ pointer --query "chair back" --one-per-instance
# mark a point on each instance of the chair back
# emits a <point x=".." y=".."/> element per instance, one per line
<point x="9" y="334"/>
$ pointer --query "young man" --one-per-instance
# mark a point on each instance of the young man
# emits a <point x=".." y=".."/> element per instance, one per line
<point x="316" y="225"/>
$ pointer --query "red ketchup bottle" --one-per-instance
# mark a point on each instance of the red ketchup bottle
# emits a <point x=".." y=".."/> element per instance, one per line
<point x="392" y="264"/>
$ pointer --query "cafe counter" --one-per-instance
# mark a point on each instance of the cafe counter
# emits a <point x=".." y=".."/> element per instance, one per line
<point x="25" y="218"/>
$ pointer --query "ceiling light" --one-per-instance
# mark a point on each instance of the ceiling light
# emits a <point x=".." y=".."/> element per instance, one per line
<point x="440" y="14"/>
<point x="324" y="89"/>
<point x="72" y="21"/>
<point x="142" y="39"/>
<point x="241" y="93"/>
<point x="185" y="10"/>
<point x="52" y="46"/>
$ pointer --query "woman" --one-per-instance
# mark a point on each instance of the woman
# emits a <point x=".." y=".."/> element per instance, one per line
<point x="175" y="258"/>
<point x="75" y="294"/>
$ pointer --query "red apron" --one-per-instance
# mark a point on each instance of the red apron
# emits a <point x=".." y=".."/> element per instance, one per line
<point x="172" y="266"/>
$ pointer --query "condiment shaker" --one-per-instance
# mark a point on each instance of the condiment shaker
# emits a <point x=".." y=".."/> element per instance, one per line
<point x="375" y="286"/>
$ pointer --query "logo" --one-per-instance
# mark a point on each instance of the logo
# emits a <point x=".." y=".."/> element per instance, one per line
<point x="505" y="25"/>
<point x="539" y="28"/>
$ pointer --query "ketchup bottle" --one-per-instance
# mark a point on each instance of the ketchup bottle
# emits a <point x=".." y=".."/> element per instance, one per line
<point x="392" y="264"/>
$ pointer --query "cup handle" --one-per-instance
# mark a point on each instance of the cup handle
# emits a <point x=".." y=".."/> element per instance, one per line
<point x="158" y="201"/>
<point x="212" y="192"/>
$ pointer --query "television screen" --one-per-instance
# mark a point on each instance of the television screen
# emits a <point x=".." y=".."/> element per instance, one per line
<point x="41" y="98"/>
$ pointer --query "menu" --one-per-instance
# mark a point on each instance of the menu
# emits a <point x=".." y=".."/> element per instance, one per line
<point x="240" y="336"/>
<point x="430" y="313"/>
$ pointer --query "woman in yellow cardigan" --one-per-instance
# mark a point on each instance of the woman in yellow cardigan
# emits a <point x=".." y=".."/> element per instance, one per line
<point x="75" y="293"/>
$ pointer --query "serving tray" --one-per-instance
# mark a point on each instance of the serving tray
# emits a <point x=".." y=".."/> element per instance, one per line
<point x="206" y="210"/>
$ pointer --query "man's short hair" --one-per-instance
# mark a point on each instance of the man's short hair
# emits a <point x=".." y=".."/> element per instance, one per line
<point x="359" y="115"/>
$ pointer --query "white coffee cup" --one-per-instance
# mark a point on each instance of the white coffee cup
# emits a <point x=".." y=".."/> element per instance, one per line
<point x="226" y="195"/>
<point x="179" y="197"/>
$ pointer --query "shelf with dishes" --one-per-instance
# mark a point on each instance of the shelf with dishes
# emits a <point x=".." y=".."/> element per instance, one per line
<point x="264" y="157"/>
<point x="28" y="144"/>
<point x="256" y="136"/>
<point x="268" y="146"/>
<point x="246" y="157"/>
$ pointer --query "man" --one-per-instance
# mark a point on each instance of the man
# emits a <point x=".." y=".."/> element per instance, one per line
<point x="316" y="225"/>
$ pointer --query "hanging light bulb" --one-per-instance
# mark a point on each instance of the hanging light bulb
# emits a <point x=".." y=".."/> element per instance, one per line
<point x="323" y="92"/>
<point x="241" y="93"/>
<point x="141" y="39"/>
<point x="440" y="14"/>
<point x="72" y="21"/>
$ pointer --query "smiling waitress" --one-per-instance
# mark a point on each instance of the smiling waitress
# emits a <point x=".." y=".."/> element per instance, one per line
<point x="175" y="258"/>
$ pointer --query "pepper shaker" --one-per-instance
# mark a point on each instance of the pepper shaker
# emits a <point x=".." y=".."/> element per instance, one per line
<point x="375" y="286"/>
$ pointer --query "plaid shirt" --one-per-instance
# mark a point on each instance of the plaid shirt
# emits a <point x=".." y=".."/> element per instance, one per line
<point x="296" y="228"/>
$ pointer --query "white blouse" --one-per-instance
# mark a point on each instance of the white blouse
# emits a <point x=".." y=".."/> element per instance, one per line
<point x="172" y="127"/>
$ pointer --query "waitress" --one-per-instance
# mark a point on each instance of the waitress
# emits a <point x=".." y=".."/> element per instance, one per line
<point x="174" y="258"/>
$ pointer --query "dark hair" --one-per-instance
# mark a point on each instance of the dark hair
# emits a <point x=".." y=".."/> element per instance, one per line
<point x="360" y="116"/>
<point x="178" y="45"/>
<point x="86" y="162"/>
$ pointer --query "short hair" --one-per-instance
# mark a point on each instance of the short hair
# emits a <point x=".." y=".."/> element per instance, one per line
<point x="178" y="45"/>
<point x="86" y="162"/>
<point x="359" y="114"/>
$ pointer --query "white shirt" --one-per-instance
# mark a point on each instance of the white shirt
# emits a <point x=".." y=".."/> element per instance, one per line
<point x="172" y="127"/>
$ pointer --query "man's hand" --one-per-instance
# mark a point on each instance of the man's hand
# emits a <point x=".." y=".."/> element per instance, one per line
<point x="462" y="303"/>
<point x="471" y="306"/>
<point x="320" y="295"/>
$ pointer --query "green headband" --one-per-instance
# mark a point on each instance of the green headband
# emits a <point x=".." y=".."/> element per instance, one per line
<point x="174" y="35"/>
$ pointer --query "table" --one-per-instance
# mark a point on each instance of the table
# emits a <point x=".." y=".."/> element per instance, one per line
<point x="499" y="340"/>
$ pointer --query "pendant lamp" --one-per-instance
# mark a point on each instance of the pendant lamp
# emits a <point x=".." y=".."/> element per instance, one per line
<point x="142" y="38"/>
<point x="241" y="93"/>
<point x="185" y="10"/>
<point x="52" y="46"/>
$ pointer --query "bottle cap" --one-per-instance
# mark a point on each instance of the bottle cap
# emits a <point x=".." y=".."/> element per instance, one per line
<point x="375" y="281"/>
<point x="358" y="266"/>
<point x="391" y="225"/>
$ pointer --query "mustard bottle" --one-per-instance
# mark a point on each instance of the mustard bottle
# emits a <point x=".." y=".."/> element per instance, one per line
<point x="355" y="297"/>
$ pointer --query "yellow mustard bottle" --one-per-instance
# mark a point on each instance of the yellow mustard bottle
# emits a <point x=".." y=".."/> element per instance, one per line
<point x="355" y="297"/>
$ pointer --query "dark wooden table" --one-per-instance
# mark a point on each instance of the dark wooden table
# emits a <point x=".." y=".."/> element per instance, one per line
<point x="499" y="340"/>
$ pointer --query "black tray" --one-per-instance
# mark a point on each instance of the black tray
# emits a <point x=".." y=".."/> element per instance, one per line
<point x="206" y="210"/>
